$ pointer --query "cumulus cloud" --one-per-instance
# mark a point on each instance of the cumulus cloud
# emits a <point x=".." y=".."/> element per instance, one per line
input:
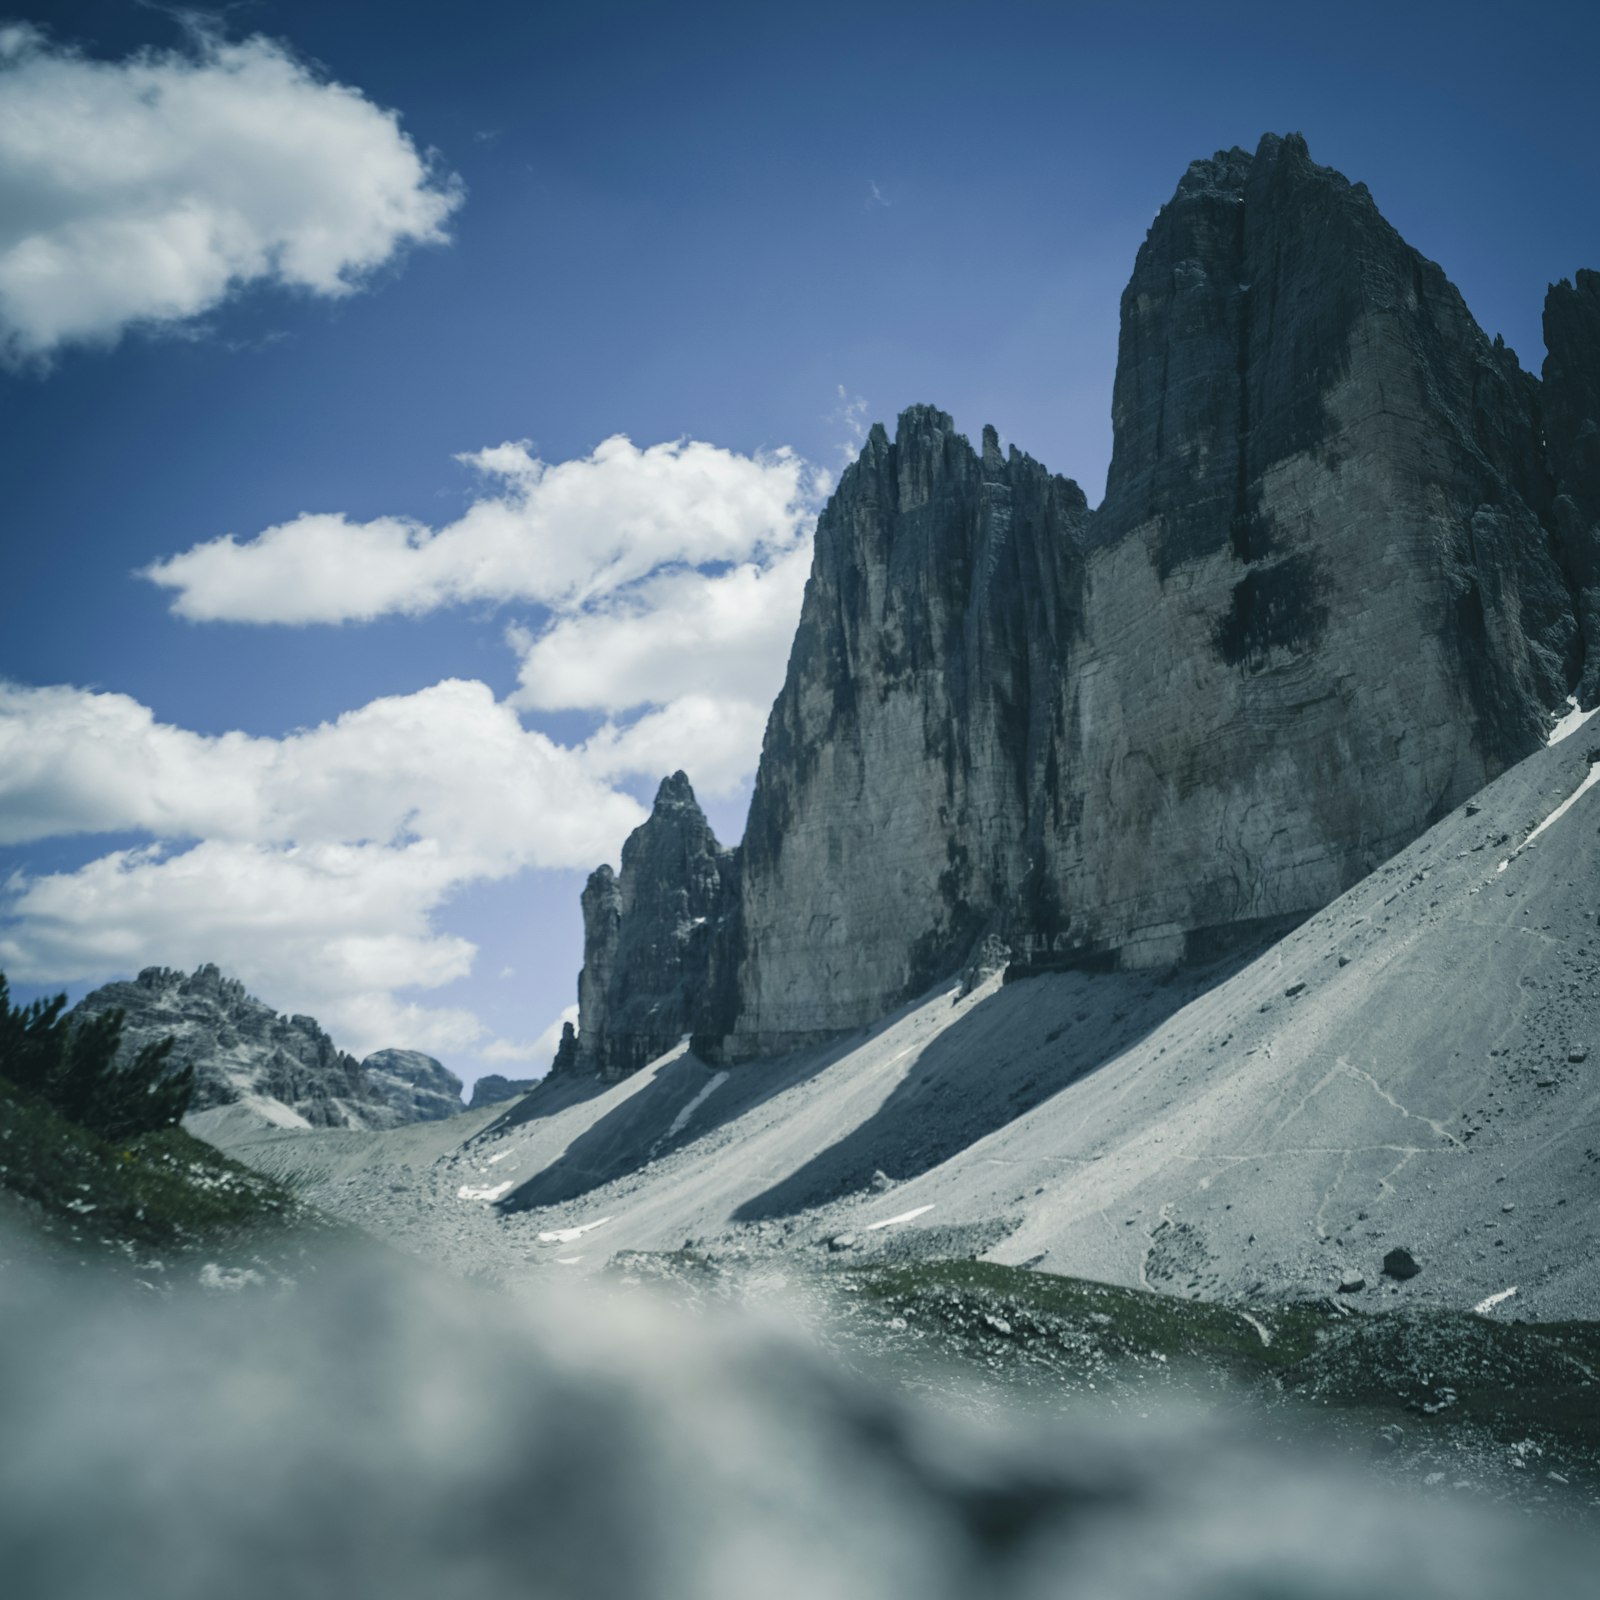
<point x="323" y="857"/>
<point x="449" y="763"/>
<point x="558" y="535"/>
<point x="669" y="580"/>
<point x="715" y="738"/>
<point x="144" y="191"/>
<point x="683" y="632"/>
<point x="539" y="1052"/>
<point x="665" y="584"/>
<point x="685" y="666"/>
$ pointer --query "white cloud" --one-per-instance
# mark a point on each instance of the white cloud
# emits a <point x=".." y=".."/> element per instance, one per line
<point x="324" y="857"/>
<point x="670" y="578"/>
<point x="146" y="190"/>
<point x="715" y="739"/>
<point x="449" y="764"/>
<point x="558" y="535"/>
<point x="539" y="1053"/>
<point x="851" y="415"/>
<point x="681" y="632"/>
<point x="317" y="866"/>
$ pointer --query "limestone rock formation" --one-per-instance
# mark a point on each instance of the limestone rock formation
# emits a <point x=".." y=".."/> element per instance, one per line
<point x="284" y="1068"/>
<point x="566" y="1056"/>
<point x="893" y="814"/>
<point x="417" y="1088"/>
<point x="649" y="933"/>
<point x="493" y="1088"/>
<point x="1347" y="564"/>
<point x="1571" y="406"/>
<point x="1324" y="607"/>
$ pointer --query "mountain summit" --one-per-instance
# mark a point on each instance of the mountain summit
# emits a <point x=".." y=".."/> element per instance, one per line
<point x="1347" y="566"/>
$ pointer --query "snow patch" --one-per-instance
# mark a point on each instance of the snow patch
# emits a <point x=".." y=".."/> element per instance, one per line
<point x="1571" y="722"/>
<point x="567" y="1235"/>
<point x="1566" y="805"/>
<point x="681" y="1121"/>
<point x="501" y="1157"/>
<point x="469" y="1191"/>
<point x="905" y="1216"/>
<point x="1555" y="816"/>
<point x="1483" y="1307"/>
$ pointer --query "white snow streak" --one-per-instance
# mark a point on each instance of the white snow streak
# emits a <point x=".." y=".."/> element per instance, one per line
<point x="1570" y="723"/>
<point x="1483" y="1307"/>
<point x="1566" y="805"/>
<point x="905" y="1216"/>
<point x="1559" y="812"/>
<point x="469" y="1191"/>
<point x="681" y="1121"/>
<point x="567" y="1235"/>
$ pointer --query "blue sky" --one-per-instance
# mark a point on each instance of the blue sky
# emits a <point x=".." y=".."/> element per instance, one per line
<point x="752" y="227"/>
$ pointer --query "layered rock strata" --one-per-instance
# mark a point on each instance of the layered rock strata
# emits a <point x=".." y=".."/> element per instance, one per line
<point x="1347" y="563"/>
<point x="286" y="1068"/>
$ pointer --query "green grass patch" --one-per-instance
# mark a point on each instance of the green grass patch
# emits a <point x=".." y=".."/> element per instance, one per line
<point x="159" y="1190"/>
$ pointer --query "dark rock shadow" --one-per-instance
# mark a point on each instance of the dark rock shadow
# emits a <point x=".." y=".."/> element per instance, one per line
<point x="642" y="1126"/>
<point x="1022" y="1045"/>
<point x="544" y="1099"/>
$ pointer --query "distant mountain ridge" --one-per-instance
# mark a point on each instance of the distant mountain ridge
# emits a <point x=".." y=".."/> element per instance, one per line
<point x="1347" y="567"/>
<point x="284" y="1069"/>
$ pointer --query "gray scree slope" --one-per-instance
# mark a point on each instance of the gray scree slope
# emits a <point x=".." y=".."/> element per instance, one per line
<point x="1347" y="563"/>
<point x="1416" y="1066"/>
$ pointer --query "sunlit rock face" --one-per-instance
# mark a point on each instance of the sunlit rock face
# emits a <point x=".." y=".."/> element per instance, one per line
<point x="416" y="1087"/>
<point x="284" y="1068"/>
<point x="909" y="775"/>
<point x="1337" y="583"/>
<point x="1321" y="607"/>
<point x="649" y="932"/>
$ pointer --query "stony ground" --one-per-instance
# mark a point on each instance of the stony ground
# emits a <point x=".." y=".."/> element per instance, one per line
<point x="1417" y="1067"/>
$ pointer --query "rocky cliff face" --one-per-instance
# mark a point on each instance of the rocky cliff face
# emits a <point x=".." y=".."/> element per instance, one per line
<point x="416" y="1087"/>
<point x="649" y="933"/>
<point x="1347" y="563"/>
<point x="1571" y="406"/>
<point x="285" y="1068"/>
<point x="894" y="812"/>
<point x="493" y="1088"/>
<point x="1323" y="606"/>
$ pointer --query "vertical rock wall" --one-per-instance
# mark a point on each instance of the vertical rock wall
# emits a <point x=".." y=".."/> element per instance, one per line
<point x="1347" y="563"/>
<point x="1321" y="605"/>
<point x="891" y="815"/>
<point x="648" y="937"/>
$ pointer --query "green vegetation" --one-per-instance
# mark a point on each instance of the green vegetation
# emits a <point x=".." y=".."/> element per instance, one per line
<point x="71" y="1065"/>
<point x="1513" y="1407"/>
<point x="160" y="1189"/>
<point x="1432" y="1373"/>
<point x="95" y="1153"/>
